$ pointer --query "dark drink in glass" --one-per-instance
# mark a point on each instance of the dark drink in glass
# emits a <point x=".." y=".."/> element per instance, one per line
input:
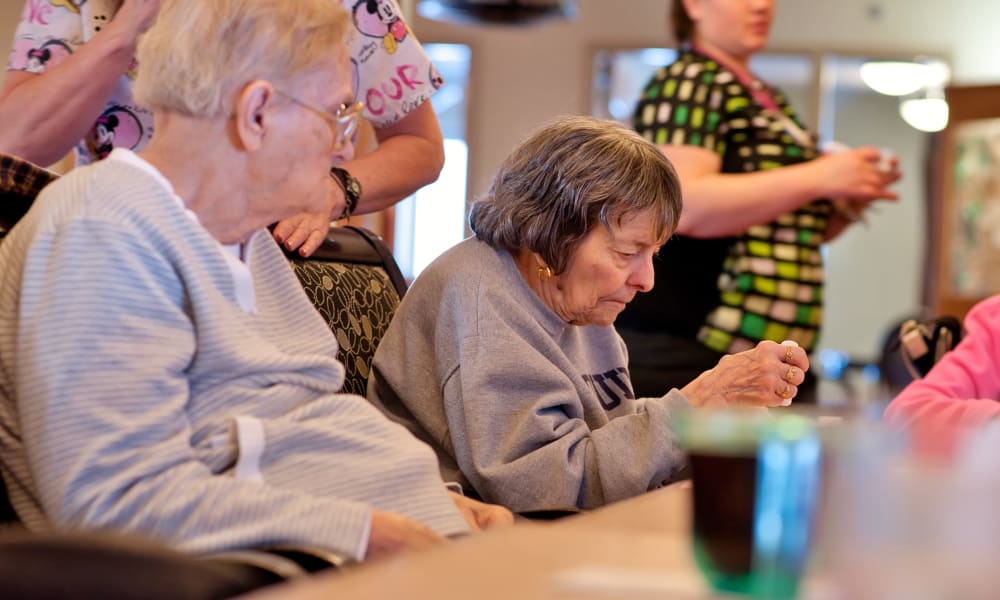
<point x="755" y="485"/>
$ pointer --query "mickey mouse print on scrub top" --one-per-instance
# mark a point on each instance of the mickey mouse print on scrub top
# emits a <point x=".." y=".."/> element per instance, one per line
<point x="380" y="19"/>
<point x="52" y="30"/>
<point x="395" y="75"/>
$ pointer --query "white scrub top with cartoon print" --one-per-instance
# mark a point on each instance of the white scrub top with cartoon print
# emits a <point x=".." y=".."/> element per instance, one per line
<point x="390" y="70"/>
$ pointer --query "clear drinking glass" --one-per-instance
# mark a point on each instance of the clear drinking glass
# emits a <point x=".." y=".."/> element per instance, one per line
<point x="899" y="524"/>
<point x="755" y="484"/>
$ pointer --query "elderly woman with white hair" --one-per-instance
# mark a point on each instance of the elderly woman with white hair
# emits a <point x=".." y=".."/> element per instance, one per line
<point x="161" y="370"/>
<point x="503" y="355"/>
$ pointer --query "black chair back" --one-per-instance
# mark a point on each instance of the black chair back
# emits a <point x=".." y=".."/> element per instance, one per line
<point x="911" y="348"/>
<point x="356" y="285"/>
<point x="7" y="514"/>
<point x="64" y="566"/>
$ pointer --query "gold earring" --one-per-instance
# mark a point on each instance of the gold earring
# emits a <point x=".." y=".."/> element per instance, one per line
<point x="544" y="273"/>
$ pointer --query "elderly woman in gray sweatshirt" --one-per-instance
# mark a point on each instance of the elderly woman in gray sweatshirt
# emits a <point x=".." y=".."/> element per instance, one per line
<point x="503" y="355"/>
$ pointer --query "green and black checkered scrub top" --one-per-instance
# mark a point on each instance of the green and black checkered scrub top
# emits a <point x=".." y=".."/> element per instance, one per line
<point x="769" y="284"/>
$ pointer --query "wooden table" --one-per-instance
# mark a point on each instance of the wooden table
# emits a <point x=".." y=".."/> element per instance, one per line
<point x="636" y="548"/>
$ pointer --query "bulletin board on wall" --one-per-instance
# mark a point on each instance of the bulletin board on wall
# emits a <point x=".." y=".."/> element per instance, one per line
<point x="964" y="219"/>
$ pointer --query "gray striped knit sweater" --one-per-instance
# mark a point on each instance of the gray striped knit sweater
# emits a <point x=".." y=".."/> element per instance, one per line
<point x="126" y="362"/>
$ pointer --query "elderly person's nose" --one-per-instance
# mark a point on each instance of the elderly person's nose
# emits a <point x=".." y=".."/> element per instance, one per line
<point x="642" y="276"/>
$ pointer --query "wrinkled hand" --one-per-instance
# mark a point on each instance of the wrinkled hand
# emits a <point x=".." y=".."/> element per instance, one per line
<point x="393" y="533"/>
<point x="767" y="375"/>
<point x="307" y="230"/>
<point x="480" y="515"/>
<point x="858" y="175"/>
<point x="136" y="16"/>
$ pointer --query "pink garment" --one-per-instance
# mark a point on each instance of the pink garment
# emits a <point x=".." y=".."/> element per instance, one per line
<point x="963" y="388"/>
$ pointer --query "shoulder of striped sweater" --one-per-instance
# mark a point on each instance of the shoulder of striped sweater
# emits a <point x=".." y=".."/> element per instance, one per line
<point x="121" y="180"/>
<point x="87" y="194"/>
<point x="79" y="179"/>
<point x="111" y="190"/>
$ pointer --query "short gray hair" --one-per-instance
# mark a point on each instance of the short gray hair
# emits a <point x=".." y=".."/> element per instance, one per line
<point x="200" y="53"/>
<point x="567" y="177"/>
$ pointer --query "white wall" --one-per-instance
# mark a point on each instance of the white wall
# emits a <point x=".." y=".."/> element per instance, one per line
<point x="874" y="272"/>
<point x="521" y="77"/>
<point x="963" y="29"/>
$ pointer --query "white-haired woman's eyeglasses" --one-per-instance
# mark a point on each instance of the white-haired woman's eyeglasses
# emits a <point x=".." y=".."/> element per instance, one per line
<point x="343" y="124"/>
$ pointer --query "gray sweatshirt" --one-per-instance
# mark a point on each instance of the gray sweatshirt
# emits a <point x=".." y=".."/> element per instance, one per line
<point x="531" y="412"/>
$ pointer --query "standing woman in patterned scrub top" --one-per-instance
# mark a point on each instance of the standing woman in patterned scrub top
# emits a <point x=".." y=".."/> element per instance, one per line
<point x="69" y="87"/>
<point x="745" y="264"/>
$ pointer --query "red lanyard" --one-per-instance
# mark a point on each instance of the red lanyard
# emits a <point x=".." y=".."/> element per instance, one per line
<point x="761" y="95"/>
<point x="757" y="88"/>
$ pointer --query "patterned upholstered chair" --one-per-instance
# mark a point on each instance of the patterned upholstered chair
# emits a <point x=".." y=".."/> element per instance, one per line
<point x="355" y="284"/>
<point x="20" y="182"/>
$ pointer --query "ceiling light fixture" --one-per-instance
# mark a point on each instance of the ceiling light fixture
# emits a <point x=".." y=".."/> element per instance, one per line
<point x="928" y="114"/>
<point x="504" y="12"/>
<point x="919" y="84"/>
<point x="901" y="78"/>
<point x="893" y="78"/>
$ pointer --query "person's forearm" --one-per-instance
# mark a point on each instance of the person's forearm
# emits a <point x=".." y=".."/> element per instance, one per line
<point x="200" y="511"/>
<point x="501" y="467"/>
<point x="409" y="156"/>
<point x="45" y="115"/>
<point x="725" y="204"/>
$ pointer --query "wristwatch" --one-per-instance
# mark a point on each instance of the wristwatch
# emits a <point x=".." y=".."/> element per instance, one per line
<point x="351" y="187"/>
